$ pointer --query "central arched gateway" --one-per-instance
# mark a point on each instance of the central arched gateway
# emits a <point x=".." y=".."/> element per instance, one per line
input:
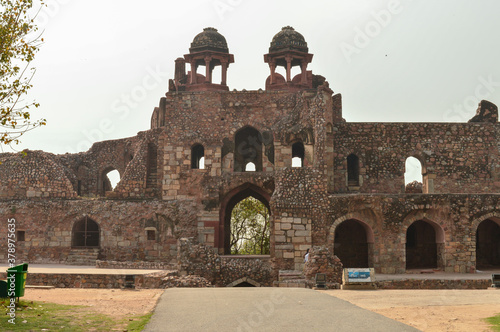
<point x="228" y="203"/>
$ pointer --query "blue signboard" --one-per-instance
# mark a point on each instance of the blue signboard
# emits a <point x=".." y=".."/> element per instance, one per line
<point x="358" y="275"/>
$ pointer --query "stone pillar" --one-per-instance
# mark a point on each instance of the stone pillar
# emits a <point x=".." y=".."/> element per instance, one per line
<point x="224" y="72"/>
<point x="288" y="68"/>
<point x="208" y="72"/>
<point x="304" y="72"/>
<point x="193" y="72"/>
<point x="272" y="66"/>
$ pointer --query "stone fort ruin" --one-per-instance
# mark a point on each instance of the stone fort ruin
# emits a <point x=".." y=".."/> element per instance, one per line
<point x="180" y="180"/>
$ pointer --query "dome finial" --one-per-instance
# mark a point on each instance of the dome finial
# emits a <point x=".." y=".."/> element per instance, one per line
<point x="209" y="40"/>
<point x="288" y="39"/>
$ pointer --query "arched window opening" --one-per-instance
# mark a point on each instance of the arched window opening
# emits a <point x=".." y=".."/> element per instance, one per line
<point x="351" y="244"/>
<point x="298" y="154"/>
<point x="421" y="246"/>
<point x="250" y="229"/>
<point x="352" y="170"/>
<point x="413" y="175"/>
<point x="197" y="157"/>
<point x="114" y="178"/>
<point x="110" y="178"/>
<point x="488" y="245"/>
<point x="250" y="167"/>
<point x="248" y="149"/>
<point x="85" y="234"/>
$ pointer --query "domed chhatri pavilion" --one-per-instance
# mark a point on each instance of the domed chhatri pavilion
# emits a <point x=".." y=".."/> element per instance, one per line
<point x="209" y="148"/>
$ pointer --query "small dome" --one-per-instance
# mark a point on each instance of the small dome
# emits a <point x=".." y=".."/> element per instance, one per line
<point x="209" y="40"/>
<point x="288" y="39"/>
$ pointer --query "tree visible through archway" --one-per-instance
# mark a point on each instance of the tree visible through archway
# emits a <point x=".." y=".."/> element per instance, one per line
<point x="250" y="230"/>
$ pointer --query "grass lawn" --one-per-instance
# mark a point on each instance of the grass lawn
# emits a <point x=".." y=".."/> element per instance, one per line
<point x="495" y="322"/>
<point x="35" y="316"/>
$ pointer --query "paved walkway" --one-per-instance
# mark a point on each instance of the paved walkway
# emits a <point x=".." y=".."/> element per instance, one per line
<point x="263" y="309"/>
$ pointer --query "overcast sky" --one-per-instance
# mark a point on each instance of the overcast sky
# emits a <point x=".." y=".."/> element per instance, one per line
<point x="105" y="64"/>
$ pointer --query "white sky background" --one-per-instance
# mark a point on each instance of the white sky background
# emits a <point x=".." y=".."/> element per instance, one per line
<point x="105" y="65"/>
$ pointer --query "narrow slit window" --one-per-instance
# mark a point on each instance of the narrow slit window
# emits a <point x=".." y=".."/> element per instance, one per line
<point x="298" y="154"/>
<point x="197" y="157"/>
<point x="352" y="170"/>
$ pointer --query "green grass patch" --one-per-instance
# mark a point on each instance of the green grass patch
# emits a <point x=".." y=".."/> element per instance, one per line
<point x="137" y="323"/>
<point x="494" y="322"/>
<point x="35" y="316"/>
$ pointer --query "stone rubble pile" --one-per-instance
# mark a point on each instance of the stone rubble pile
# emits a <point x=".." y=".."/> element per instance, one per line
<point x="322" y="261"/>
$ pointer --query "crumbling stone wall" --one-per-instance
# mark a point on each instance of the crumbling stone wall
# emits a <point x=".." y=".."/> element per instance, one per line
<point x="129" y="156"/>
<point x="33" y="174"/>
<point x="486" y="112"/>
<point x="197" y="259"/>
<point x="38" y="174"/>
<point x="48" y="227"/>
<point x="257" y="269"/>
<point x="201" y="260"/>
<point x="456" y="157"/>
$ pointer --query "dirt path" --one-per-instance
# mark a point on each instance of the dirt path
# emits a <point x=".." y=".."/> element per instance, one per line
<point x="116" y="303"/>
<point x="430" y="310"/>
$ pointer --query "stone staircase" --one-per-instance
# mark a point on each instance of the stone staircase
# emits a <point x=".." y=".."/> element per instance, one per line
<point x="83" y="257"/>
<point x="291" y="278"/>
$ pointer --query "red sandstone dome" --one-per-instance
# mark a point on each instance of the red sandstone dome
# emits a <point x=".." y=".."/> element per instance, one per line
<point x="288" y="39"/>
<point x="209" y="40"/>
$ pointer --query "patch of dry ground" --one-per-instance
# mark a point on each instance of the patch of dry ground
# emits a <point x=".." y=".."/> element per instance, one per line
<point x="430" y="310"/>
<point x="116" y="303"/>
<point x="427" y="310"/>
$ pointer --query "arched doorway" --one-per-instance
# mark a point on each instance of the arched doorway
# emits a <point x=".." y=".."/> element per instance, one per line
<point x="85" y="234"/>
<point x="424" y="245"/>
<point x="488" y="244"/>
<point x="353" y="244"/>
<point x="236" y="196"/>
